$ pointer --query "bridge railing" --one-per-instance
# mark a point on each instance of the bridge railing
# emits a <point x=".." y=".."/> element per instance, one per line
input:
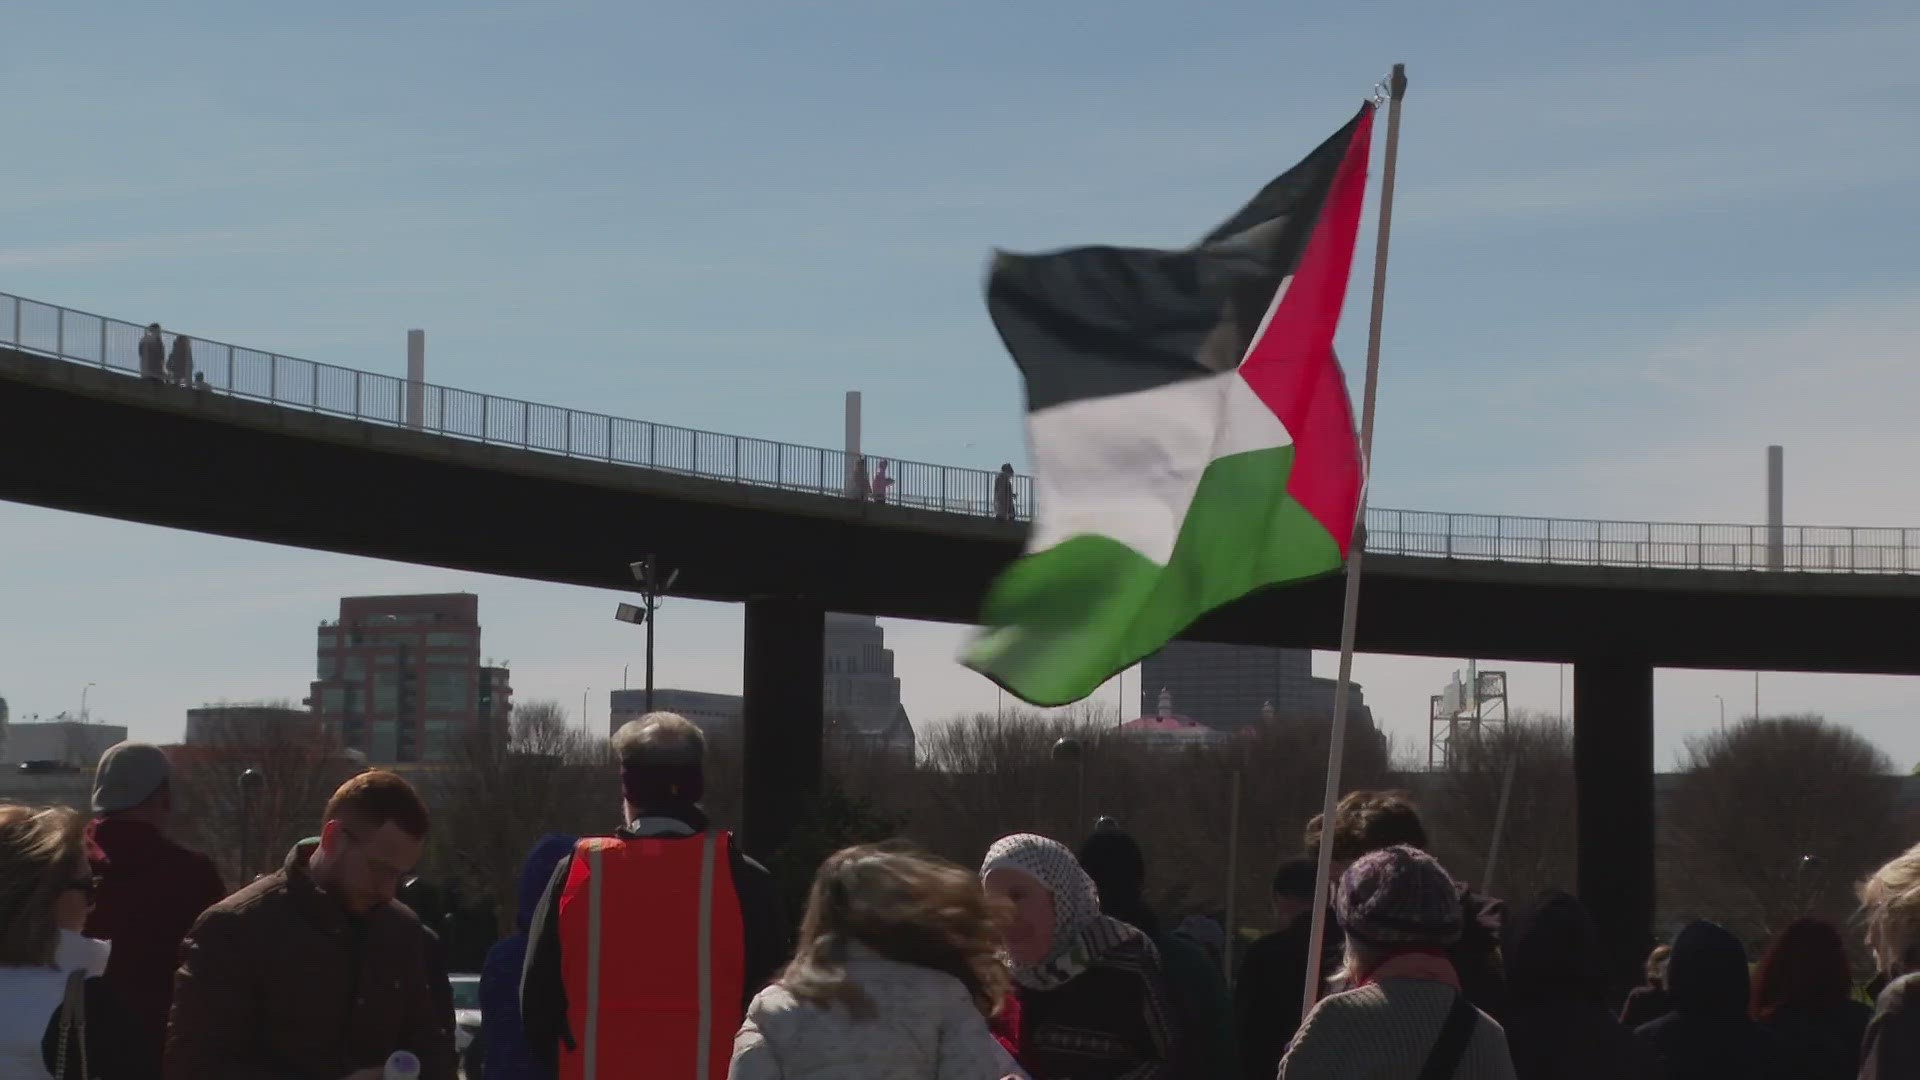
<point x="113" y="344"/>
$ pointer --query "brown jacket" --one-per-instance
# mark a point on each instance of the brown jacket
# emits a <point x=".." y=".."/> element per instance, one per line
<point x="277" y="983"/>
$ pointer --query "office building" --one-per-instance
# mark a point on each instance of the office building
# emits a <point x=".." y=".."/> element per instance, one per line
<point x="1230" y="687"/>
<point x="399" y="678"/>
<point x="862" y="693"/>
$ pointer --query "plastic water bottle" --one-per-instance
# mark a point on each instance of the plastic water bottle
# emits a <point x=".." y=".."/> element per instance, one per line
<point x="402" y="1065"/>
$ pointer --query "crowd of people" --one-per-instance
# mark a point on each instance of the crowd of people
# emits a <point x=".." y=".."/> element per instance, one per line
<point x="661" y="949"/>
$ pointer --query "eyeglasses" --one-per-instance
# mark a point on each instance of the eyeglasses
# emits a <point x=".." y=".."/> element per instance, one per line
<point x="89" y="889"/>
<point x="386" y="871"/>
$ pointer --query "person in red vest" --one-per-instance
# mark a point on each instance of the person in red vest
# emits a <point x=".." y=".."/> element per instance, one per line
<point x="649" y="943"/>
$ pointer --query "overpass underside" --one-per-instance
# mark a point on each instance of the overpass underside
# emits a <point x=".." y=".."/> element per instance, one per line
<point x="96" y="442"/>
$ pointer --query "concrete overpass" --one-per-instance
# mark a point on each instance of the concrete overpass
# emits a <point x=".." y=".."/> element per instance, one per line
<point x="289" y="451"/>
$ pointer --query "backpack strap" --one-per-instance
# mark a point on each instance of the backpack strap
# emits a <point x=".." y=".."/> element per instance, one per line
<point x="73" y="1024"/>
<point x="1444" y="1059"/>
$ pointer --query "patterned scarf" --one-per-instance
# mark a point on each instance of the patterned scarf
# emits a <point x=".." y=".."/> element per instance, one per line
<point x="1081" y="934"/>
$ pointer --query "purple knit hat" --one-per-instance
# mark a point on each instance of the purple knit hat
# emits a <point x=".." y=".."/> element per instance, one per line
<point x="1399" y="896"/>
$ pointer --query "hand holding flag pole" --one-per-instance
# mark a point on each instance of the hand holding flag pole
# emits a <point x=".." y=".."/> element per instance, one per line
<point x="1396" y="90"/>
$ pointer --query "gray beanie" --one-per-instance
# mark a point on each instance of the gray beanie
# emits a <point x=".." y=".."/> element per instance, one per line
<point x="1399" y="896"/>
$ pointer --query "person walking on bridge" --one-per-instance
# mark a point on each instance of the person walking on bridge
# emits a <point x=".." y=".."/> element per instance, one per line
<point x="649" y="943"/>
<point x="153" y="354"/>
<point x="180" y="361"/>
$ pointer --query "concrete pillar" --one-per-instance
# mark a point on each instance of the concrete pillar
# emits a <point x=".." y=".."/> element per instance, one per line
<point x="853" y="440"/>
<point x="783" y="718"/>
<point x="1776" y="508"/>
<point x="416" y="378"/>
<point x="1613" y="799"/>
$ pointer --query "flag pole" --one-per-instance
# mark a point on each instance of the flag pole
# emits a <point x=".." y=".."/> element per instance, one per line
<point x="1396" y="90"/>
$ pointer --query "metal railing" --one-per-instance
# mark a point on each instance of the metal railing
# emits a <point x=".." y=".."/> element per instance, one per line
<point x="113" y="344"/>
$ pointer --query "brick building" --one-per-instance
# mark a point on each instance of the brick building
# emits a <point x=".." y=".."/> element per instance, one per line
<point x="400" y="679"/>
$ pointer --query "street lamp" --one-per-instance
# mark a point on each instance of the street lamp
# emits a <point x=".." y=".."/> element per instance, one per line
<point x="83" y="700"/>
<point x="250" y="783"/>
<point x="1723" y="712"/>
<point x="647" y="573"/>
<point x="1069" y="749"/>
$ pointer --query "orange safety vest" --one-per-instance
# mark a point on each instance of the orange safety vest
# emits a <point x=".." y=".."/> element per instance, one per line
<point x="653" y="957"/>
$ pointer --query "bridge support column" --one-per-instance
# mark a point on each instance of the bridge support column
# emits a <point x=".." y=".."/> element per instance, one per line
<point x="1613" y="795"/>
<point x="783" y="718"/>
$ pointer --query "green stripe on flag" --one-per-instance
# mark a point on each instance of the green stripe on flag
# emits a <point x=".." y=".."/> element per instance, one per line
<point x="1062" y="621"/>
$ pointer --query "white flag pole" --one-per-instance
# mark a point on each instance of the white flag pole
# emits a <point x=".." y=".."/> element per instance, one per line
<point x="1396" y="90"/>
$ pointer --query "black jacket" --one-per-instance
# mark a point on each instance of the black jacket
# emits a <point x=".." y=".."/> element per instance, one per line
<point x="1824" y="1041"/>
<point x="543" y="993"/>
<point x="114" y="1049"/>
<point x="1266" y="994"/>
<point x="1558" y="1024"/>
<point x="1708" y="1036"/>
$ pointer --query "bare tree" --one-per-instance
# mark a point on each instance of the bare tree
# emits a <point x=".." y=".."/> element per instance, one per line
<point x="984" y="775"/>
<point x="300" y="763"/>
<point x="1530" y="761"/>
<point x="495" y="801"/>
<point x="1776" y="818"/>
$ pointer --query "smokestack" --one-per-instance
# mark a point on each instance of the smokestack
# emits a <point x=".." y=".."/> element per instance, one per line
<point x="416" y="378"/>
<point x="853" y="437"/>
<point x="1776" y="508"/>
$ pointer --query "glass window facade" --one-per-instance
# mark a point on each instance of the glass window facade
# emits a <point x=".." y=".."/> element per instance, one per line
<point x="385" y="745"/>
<point x="446" y="690"/>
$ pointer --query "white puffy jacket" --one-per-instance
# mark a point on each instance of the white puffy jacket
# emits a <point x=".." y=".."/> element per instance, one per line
<point x="926" y="1029"/>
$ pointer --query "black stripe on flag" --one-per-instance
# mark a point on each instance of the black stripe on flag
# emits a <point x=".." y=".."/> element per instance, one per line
<point x="1097" y="321"/>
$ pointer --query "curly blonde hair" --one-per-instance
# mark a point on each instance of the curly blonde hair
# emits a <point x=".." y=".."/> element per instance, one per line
<point x="41" y="849"/>
<point x="1890" y="907"/>
<point x="904" y="905"/>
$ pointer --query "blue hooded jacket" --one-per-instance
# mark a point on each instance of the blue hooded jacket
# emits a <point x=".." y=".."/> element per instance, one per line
<point x="507" y="1055"/>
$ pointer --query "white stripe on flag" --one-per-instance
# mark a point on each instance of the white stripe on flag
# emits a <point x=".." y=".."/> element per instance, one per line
<point x="1126" y="466"/>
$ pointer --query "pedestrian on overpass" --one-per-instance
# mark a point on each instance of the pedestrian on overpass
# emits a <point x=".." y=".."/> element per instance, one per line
<point x="180" y="361"/>
<point x="1003" y="493"/>
<point x="649" y="942"/>
<point x="153" y="354"/>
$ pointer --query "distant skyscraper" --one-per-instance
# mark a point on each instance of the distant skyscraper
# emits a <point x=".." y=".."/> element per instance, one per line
<point x="1237" y="686"/>
<point x="862" y="693"/>
<point x="400" y="678"/>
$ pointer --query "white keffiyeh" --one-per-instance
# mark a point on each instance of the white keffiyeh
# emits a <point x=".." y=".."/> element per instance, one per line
<point x="1081" y="934"/>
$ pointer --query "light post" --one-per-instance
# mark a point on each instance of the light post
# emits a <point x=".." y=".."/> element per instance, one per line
<point x="1070" y="749"/>
<point x="647" y="573"/>
<point x="1723" y="713"/>
<point x="83" y="700"/>
<point x="250" y="783"/>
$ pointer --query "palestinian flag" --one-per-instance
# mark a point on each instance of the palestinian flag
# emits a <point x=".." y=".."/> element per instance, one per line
<point x="1192" y="440"/>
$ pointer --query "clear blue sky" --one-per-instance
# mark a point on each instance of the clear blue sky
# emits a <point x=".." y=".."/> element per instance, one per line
<point x="1635" y="243"/>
